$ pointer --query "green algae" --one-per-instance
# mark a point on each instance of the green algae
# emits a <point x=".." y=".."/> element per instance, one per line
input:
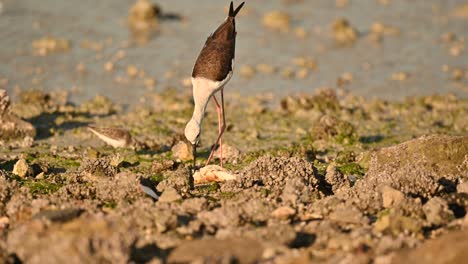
<point x="351" y="169"/>
<point x="157" y="178"/>
<point x="227" y="195"/>
<point x="208" y="188"/>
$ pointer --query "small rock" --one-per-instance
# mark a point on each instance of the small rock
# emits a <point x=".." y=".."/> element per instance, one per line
<point x="229" y="152"/>
<point x="287" y="73"/>
<point x="40" y="176"/>
<point x="4" y="221"/>
<point x="302" y="73"/>
<point x="247" y="71"/>
<point x="400" y="76"/>
<point x="305" y="62"/>
<point x="178" y="179"/>
<point x="109" y="66"/>
<point x="232" y="250"/>
<point x="81" y="68"/>
<point x="391" y="197"/>
<point x="182" y="151"/>
<point x="221" y="217"/>
<point x="142" y="16"/>
<point x="461" y="11"/>
<point x="343" y="32"/>
<point x="349" y="215"/>
<point x="170" y="195"/>
<point x="283" y="213"/>
<point x="97" y="169"/>
<point x="59" y="215"/>
<point x="277" y="20"/>
<point x="11" y="126"/>
<point x="462" y="187"/>
<point x="266" y="68"/>
<point x="437" y="211"/>
<point x="22" y="169"/>
<point x="341" y="3"/>
<point x="46" y="45"/>
<point x="335" y="178"/>
<point x="132" y="71"/>
<point x="159" y="166"/>
<point x="395" y="224"/>
<point x="116" y="160"/>
<point x="212" y="173"/>
<point x="300" y="32"/>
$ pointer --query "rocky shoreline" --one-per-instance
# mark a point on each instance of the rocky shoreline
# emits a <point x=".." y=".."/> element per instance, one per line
<point x="328" y="177"/>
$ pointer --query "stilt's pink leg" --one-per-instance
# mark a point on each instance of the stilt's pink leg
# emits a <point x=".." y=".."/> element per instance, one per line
<point x="220" y="131"/>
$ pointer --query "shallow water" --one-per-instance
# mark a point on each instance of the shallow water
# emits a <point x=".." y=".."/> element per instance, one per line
<point x="417" y="51"/>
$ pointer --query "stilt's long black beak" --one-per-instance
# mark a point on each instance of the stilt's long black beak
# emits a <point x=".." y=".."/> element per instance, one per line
<point x="194" y="149"/>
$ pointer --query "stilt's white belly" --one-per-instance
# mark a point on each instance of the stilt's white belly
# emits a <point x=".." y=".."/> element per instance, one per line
<point x="210" y="86"/>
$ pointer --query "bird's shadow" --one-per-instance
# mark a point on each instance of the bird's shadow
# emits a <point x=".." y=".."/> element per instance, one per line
<point x="46" y="122"/>
<point x="170" y="17"/>
<point x="371" y="139"/>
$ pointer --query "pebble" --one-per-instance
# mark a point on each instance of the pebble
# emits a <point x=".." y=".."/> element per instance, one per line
<point x="132" y="71"/>
<point x="212" y="173"/>
<point x="283" y="213"/>
<point x="150" y="82"/>
<point x="182" y="151"/>
<point x="400" y="76"/>
<point x="462" y="187"/>
<point x="348" y="215"/>
<point x="343" y="32"/>
<point x="437" y="211"/>
<point x="170" y="195"/>
<point x="229" y="152"/>
<point x="247" y="71"/>
<point x="456" y="50"/>
<point x="300" y="32"/>
<point x="109" y="66"/>
<point x="461" y="11"/>
<point x="22" y="169"/>
<point x="277" y="20"/>
<point x="4" y="221"/>
<point x="81" y="68"/>
<point x="305" y="62"/>
<point x="266" y="68"/>
<point x="302" y="73"/>
<point x="40" y="176"/>
<point x="341" y="3"/>
<point x="287" y="73"/>
<point x="46" y="45"/>
<point x="391" y="197"/>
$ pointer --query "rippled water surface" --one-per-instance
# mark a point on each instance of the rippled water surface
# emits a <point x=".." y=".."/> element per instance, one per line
<point x="169" y="56"/>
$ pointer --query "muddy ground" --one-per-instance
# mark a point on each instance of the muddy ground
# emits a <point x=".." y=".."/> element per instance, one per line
<point x="324" y="177"/>
<point x="361" y="172"/>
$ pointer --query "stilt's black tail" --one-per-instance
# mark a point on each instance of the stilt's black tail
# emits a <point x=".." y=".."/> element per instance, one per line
<point x="232" y="12"/>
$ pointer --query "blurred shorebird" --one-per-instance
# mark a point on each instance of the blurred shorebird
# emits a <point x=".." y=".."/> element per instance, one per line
<point x="116" y="137"/>
<point x="212" y="70"/>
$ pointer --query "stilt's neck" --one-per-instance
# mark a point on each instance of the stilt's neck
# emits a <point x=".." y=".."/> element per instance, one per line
<point x="199" y="112"/>
<point x="201" y="96"/>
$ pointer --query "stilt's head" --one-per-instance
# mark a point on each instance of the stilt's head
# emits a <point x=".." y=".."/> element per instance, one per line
<point x="192" y="131"/>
